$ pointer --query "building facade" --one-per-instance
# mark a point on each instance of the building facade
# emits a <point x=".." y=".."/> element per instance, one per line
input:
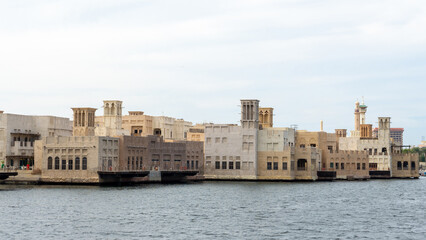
<point x="19" y="132"/>
<point x="231" y="150"/>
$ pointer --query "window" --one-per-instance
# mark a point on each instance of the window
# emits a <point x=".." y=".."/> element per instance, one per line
<point x="337" y="165"/>
<point x="405" y="165"/>
<point x="269" y="165"/>
<point x="413" y="165"/>
<point x="302" y="165"/>
<point x="284" y="165"/>
<point x="56" y="163"/>
<point x="399" y="165"/>
<point x="196" y="164"/>
<point x="302" y="145"/>
<point x="231" y="165"/>
<point x="363" y="166"/>
<point x="77" y="163"/>
<point x="275" y="165"/>
<point x="84" y="164"/>
<point x="331" y="165"/>
<point x="342" y="166"/>
<point x="64" y="164"/>
<point x="224" y="140"/>
<point x="330" y="149"/>
<point x="217" y="165"/>
<point x="192" y="164"/>
<point x="313" y="145"/>
<point x="223" y="165"/>
<point x="358" y="166"/>
<point x="187" y="164"/>
<point x="49" y="163"/>
<point x="237" y="165"/>
<point x="70" y="164"/>
<point x="217" y="140"/>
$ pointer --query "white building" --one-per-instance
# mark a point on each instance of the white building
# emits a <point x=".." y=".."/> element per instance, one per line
<point x="18" y="133"/>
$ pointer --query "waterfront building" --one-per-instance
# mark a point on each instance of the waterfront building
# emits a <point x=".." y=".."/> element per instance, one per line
<point x="153" y="153"/>
<point x="91" y="157"/>
<point x="19" y="132"/>
<point x="230" y="149"/>
<point x="346" y="164"/>
<point x="77" y="159"/>
<point x="280" y="159"/>
<point x="139" y="124"/>
<point x="381" y="149"/>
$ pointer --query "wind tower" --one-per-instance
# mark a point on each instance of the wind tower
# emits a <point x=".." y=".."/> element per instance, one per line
<point x="84" y="122"/>
<point x="113" y="114"/>
<point x="250" y="113"/>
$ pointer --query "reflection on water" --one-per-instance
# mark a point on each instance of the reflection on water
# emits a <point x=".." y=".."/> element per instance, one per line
<point x="379" y="209"/>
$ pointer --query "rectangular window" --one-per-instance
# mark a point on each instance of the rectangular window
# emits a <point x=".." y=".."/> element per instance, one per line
<point x="84" y="164"/>
<point x="284" y="165"/>
<point x="217" y="165"/>
<point x="57" y="163"/>
<point x="337" y="165"/>
<point x="187" y="164"/>
<point x="196" y="164"/>
<point x="331" y="165"/>
<point x="358" y="166"/>
<point x="342" y="166"/>
<point x="231" y="165"/>
<point x="269" y="165"/>
<point x="237" y="165"/>
<point x="413" y="165"/>
<point x="363" y="166"/>
<point x="223" y="165"/>
<point x="70" y="164"/>
<point x="192" y="164"/>
<point x="275" y="165"/>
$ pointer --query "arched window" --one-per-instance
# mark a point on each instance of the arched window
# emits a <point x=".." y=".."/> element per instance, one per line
<point x="413" y="165"/>
<point x="405" y="166"/>
<point x="77" y="163"/>
<point x="49" y="163"/>
<point x="84" y="164"/>
<point x="56" y="163"/>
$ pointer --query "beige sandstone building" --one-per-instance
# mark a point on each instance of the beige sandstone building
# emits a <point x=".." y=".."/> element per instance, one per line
<point x="139" y="124"/>
<point x="106" y="153"/>
<point x="19" y="132"/>
<point x="385" y="157"/>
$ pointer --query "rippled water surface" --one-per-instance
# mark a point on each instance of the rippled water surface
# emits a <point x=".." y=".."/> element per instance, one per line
<point x="375" y="209"/>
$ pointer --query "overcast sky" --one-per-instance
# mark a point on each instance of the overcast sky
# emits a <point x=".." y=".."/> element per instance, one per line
<point x="310" y="60"/>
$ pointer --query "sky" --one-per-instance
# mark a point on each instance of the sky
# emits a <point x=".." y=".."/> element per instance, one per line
<point x="309" y="60"/>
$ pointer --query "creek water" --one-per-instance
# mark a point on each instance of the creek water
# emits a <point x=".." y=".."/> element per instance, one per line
<point x="374" y="209"/>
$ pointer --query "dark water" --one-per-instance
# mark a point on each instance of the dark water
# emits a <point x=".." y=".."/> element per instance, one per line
<point x="375" y="209"/>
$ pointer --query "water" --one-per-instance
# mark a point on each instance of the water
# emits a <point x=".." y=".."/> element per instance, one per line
<point x="375" y="209"/>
